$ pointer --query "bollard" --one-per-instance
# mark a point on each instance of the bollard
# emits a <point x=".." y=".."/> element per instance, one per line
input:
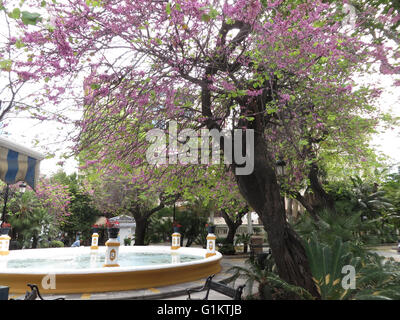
<point x="112" y="253"/>
<point x="95" y="241"/>
<point x="211" y="238"/>
<point x="4" y="293"/>
<point x="176" y="240"/>
<point x="4" y="244"/>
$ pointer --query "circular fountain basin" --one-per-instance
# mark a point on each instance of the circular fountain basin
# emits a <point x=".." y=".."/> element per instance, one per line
<point x="80" y="270"/>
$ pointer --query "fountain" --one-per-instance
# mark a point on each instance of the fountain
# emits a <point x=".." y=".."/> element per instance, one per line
<point x="83" y="270"/>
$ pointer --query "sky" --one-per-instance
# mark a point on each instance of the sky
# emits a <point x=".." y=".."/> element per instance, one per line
<point x="388" y="141"/>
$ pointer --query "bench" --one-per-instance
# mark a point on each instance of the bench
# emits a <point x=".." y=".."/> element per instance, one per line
<point x="34" y="293"/>
<point x="235" y="294"/>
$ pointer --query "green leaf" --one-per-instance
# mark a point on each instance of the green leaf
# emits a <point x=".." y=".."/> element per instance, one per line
<point x="168" y="8"/>
<point x="19" y="44"/>
<point x="205" y="17"/>
<point x="95" y="86"/>
<point x="30" y="17"/>
<point x="213" y="13"/>
<point x="6" y="65"/>
<point x="15" y="14"/>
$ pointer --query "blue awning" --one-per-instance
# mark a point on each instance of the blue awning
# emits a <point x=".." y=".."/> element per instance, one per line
<point x="18" y="163"/>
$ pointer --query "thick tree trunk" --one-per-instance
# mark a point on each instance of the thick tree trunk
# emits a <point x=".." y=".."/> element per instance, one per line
<point x="262" y="192"/>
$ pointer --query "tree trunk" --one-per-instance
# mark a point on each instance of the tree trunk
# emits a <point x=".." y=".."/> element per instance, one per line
<point x="233" y="225"/>
<point x="140" y="232"/>
<point x="142" y="221"/>
<point x="262" y="192"/>
<point x="260" y="188"/>
<point x="322" y="199"/>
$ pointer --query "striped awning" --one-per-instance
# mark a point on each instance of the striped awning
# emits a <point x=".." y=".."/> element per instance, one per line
<point x="18" y="163"/>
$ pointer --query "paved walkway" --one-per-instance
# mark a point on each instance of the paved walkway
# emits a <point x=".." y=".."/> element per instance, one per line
<point x="174" y="292"/>
<point x="387" y="251"/>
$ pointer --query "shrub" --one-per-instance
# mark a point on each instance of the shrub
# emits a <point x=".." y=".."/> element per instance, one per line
<point x="127" y="241"/>
<point x="56" y="244"/>
<point x="227" y="249"/>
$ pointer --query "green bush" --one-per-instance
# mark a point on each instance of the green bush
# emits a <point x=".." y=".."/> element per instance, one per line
<point x="127" y="241"/>
<point x="227" y="249"/>
<point x="56" y="244"/>
<point x="223" y="247"/>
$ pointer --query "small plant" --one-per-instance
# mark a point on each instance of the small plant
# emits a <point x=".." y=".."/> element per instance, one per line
<point x="268" y="285"/>
<point x="112" y="224"/>
<point x="176" y="226"/>
<point x="127" y="241"/>
<point x="5" y="225"/>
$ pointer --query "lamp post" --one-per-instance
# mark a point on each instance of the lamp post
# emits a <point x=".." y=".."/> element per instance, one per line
<point x="3" y="216"/>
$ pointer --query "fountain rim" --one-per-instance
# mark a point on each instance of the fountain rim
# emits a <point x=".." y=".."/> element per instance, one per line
<point x="19" y="254"/>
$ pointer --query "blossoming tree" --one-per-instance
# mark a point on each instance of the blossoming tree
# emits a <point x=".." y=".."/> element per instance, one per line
<point x="282" y="68"/>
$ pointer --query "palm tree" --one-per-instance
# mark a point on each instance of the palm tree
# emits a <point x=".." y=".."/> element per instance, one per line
<point x="243" y="238"/>
<point x="270" y="285"/>
<point x="369" y="199"/>
<point x="29" y="219"/>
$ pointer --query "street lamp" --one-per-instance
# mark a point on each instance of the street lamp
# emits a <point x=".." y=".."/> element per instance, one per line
<point x="3" y="216"/>
<point x="22" y="187"/>
<point x="280" y="167"/>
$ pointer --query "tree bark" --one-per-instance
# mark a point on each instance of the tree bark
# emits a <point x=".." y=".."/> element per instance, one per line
<point x="262" y="192"/>
<point x="322" y="200"/>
